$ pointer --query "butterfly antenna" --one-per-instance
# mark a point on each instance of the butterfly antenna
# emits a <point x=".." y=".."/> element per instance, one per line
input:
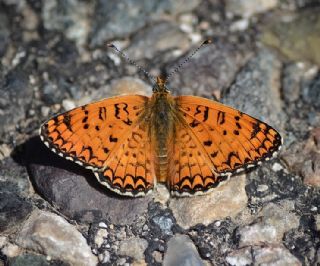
<point x="187" y="59"/>
<point x="111" y="45"/>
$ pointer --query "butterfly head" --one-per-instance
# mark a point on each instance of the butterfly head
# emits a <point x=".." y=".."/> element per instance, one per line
<point x="160" y="86"/>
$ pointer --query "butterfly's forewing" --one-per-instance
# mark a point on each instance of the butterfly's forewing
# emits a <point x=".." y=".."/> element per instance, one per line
<point x="93" y="134"/>
<point x="232" y="139"/>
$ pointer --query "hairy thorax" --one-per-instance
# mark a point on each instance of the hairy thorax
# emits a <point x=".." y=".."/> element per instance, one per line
<point x="161" y="107"/>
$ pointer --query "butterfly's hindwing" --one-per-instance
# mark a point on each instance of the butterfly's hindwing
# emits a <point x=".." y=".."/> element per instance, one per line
<point x="130" y="170"/>
<point x="190" y="170"/>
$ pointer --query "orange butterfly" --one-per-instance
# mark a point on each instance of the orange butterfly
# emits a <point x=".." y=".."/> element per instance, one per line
<point x="132" y="142"/>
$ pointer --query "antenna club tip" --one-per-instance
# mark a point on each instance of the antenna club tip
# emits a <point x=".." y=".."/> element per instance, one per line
<point x="208" y="41"/>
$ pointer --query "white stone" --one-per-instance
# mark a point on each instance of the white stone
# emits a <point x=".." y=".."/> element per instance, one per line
<point x="247" y="8"/>
<point x="3" y="241"/>
<point x="100" y="236"/>
<point x="51" y="235"/>
<point x="277" y="167"/>
<point x="240" y="25"/>
<point x="103" y="225"/>
<point x="68" y="104"/>
<point x="262" y="188"/>
<point x="240" y="257"/>
<point x="45" y="110"/>
<point x="11" y="250"/>
<point x="161" y="194"/>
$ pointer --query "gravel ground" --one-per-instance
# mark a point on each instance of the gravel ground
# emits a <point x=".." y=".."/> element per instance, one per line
<point x="264" y="60"/>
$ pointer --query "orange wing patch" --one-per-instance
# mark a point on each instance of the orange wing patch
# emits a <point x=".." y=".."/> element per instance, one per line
<point x="233" y="140"/>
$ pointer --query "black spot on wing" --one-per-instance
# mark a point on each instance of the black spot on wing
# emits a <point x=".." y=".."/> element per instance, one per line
<point x="102" y="113"/>
<point x="205" y="114"/>
<point x="221" y="117"/>
<point x="194" y="123"/>
<point x="214" y="154"/>
<point x="207" y="143"/>
<point x="112" y="139"/>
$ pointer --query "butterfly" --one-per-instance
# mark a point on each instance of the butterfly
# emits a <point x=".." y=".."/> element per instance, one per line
<point x="131" y="142"/>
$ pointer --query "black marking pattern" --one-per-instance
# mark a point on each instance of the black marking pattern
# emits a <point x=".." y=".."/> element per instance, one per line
<point x="183" y="186"/>
<point x="102" y="113"/>
<point x="67" y="121"/>
<point x="238" y="140"/>
<point x="116" y="183"/>
<point x="63" y="133"/>
<point x="113" y="139"/>
<point x="221" y="118"/>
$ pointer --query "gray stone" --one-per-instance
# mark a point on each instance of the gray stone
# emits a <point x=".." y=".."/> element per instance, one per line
<point x="226" y="200"/>
<point x="210" y="71"/>
<point x="4" y="32"/>
<point x="53" y="236"/>
<point x="14" y="209"/>
<point x="116" y="19"/>
<point x="181" y="251"/>
<point x="304" y="241"/>
<point x="71" y="17"/>
<point x="158" y="38"/>
<point x="133" y="247"/>
<point x="104" y="257"/>
<point x="272" y="222"/>
<point x="35" y="260"/>
<point x="16" y="95"/>
<point x="311" y="93"/>
<point x="164" y="223"/>
<point x="274" y="255"/>
<point x="256" y="90"/>
<point x="14" y="177"/>
<point x="291" y="82"/>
